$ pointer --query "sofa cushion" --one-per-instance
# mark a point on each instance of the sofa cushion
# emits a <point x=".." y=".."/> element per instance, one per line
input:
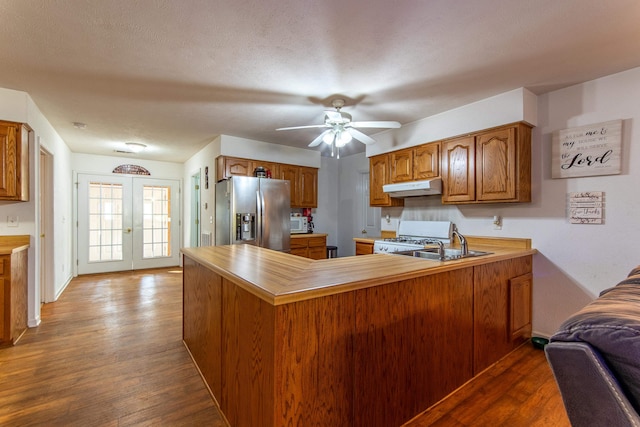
<point x="611" y="324"/>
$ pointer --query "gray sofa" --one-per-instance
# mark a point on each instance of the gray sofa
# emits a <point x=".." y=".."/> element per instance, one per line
<point x="595" y="358"/>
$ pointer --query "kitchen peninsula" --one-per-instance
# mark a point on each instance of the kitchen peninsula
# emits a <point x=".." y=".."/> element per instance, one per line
<point x="356" y="341"/>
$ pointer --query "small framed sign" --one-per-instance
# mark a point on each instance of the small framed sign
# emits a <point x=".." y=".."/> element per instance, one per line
<point x="587" y="150"/>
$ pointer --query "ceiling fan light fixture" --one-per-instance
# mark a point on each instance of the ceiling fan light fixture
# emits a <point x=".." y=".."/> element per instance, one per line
<point x="343" y="138"/>
<point x="328" y="138"/>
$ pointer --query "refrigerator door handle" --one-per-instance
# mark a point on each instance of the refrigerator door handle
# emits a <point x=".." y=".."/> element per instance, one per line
<point x="259" y="215"/>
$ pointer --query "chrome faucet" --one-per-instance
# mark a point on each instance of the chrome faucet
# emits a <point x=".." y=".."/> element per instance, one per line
<point x="440" y="246"/>
<point x="464" y="248"/>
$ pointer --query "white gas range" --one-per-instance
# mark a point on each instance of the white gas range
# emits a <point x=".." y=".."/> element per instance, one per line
<point x="415" y="235"/>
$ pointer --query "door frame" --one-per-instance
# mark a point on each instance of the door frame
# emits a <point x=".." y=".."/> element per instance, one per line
<point x="177" y="215"/>
<point x="45" y="224"/>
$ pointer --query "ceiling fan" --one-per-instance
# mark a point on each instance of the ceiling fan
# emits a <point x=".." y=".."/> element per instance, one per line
<point x="340" y="129"/>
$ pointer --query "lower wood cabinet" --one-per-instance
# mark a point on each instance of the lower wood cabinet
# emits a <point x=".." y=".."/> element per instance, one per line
<point x="502" y="309"/>
<point x="13" y="296"/>
<point x="364" y="248"/>
<point x="313" y="246"/>
<point x="371" y="357"/>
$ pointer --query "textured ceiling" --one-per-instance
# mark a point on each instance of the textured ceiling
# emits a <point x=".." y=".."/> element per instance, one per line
<point x="174" y="74"/>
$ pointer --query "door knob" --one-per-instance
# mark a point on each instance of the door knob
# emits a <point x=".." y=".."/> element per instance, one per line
<point x="128" y="230"/>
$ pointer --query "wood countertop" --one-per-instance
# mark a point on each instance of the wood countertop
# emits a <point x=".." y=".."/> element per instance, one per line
<point x="307" y="235"/>
<point x="11" y="244"/>
<point x="280" y="278"/>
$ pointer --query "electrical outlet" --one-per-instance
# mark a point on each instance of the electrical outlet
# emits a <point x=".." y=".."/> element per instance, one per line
<point x="497" y="222"/>
<point x="12" y="221"/>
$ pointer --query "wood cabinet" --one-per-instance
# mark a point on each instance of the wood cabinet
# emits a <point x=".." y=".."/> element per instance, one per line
<point x="304" y="185"/>
<point x="385" y="353"/>
<point x="309" y="246"/>
<point x="416" y="163"/>
<point x="13" y="291"/>
<point x="488" y="167"/>
<point x="379" y="175"/>
<point x="401" y="165"/>
<point x="304" y="180"/>
<point x="426" y="161"/>
<point x="14" y="162"/>
<point x="364" y="248"/>
<point x="502" y="309"/>
<point x="307" y="196"/>
<point x="227" y="167"/>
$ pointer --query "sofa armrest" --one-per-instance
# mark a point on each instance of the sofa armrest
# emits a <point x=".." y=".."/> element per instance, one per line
<point x="591" y="394"/>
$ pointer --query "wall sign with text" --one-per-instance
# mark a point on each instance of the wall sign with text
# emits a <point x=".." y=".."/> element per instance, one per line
<point x="586" y="207"/>
<point x="587" y="150"/>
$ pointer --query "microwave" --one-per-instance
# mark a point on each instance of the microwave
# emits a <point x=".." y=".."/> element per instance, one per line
<point x="299" y="224"/>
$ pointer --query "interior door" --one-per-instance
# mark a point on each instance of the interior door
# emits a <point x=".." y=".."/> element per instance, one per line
<point x="127" y="223"/>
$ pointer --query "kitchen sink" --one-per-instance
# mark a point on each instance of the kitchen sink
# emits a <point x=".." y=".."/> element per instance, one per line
<point x="449" y="254"/>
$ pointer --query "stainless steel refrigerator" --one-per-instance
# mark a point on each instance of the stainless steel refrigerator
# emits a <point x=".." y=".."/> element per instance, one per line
<point x="254" y="211"/>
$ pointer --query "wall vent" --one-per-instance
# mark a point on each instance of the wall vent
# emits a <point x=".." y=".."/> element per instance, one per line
<point x="205" y="239"/>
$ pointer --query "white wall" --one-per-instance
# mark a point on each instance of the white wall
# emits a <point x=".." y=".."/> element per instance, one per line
<point x="575" y="262"/>
<point x="509" y="107"/>
<point x="19" y="107"/>
<point x="326" y="214"/>
<point x="349" y="217"/>
<point x="199" y="162"/>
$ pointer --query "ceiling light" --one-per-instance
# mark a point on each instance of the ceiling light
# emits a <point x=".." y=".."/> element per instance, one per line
<point x="135" y="147"/>
<point x="328" y="138"/>
<point x="343" y="138"/>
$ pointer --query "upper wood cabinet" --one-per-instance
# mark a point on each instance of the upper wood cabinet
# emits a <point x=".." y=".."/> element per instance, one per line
<point x="308" y="191"/>
<point x="304" y="180"/>
<point x="14" y="167"/>
<point x="426" y="161"/>
<point x="488" y="167"/>
<point x="304" y="185"/>
<point x="379" y="175"/>
<point x="227" y="167"/>
<point x="401" y="165"/>
<point x="416" y="163"/>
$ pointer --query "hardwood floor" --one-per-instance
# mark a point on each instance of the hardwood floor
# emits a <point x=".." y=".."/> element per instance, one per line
<point x="109" y="352"/>
<point x="518" y="391"/>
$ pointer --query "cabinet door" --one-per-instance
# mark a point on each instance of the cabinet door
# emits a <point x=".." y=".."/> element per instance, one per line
<point x="494" y="306"/>
<point x="14" y="161"/>
<point x="520" y="306"/>
<point x="496" y="165"/>
<point x="227" y="167"/>
<point x="458" y="170"/>
<point x="426" y="161"/>
<point x="308" y="187"/>
<point x="292" y="174"/>
<point x="273" y="167"/>
<point x="401" y="165"/>
<point x="378" y="176"/>
<point x="363" y="248"/>
<point x="4" y="326"/>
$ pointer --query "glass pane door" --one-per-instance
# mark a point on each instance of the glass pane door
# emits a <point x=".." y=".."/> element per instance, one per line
<point x="156" y="238"/>
<point x="127" y="223"/>
<point x="104" y="223"/>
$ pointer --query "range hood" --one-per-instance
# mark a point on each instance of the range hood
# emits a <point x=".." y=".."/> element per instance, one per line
<point x="414" y="188"/>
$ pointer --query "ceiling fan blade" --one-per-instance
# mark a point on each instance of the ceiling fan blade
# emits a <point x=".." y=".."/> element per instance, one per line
<point x="303" y="127"/>
<point x="318" y="140"/>
<point x="360" y="136"/>
<point x="383" y="124"/>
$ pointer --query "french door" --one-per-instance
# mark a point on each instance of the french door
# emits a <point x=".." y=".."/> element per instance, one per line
<point x="127" y="223"/>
